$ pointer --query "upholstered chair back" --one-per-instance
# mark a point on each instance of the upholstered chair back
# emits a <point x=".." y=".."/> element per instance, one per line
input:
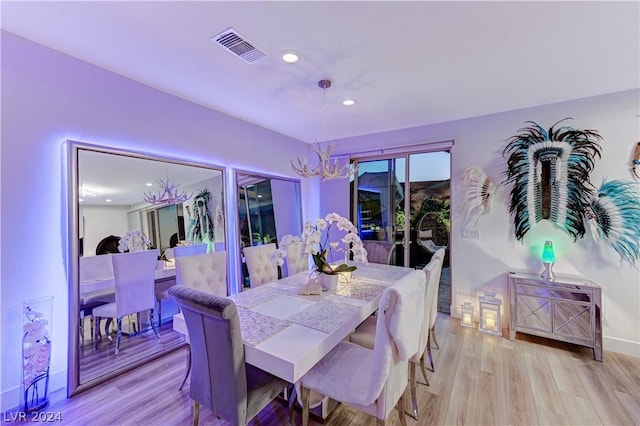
<point x="379" y="251"/>
<point x="205" y="272"/>
<point x="437" y="272"/>
<point x="297" y="260"/>
<point x="261" y="269"/>
<point x="135" y="281"/>
<point x="220" y="379"/>
<point x="430" y="271"/>
<point x="96" y="268"/>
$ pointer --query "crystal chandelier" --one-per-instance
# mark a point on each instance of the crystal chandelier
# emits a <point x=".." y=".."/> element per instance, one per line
<point x="168" y="194"/>
<point x="326" y="168"/>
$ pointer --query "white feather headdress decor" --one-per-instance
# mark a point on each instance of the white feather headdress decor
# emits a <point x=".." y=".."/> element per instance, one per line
<point x="478" y="189"/>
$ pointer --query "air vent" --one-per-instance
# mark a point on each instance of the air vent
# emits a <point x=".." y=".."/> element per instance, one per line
<point x="237" y="44"/>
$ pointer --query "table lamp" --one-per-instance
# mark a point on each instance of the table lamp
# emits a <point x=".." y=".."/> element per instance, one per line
<point x="548" y="259"/>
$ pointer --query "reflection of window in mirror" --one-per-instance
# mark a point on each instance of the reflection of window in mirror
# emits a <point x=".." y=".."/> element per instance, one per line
<point x="268" y="209"/>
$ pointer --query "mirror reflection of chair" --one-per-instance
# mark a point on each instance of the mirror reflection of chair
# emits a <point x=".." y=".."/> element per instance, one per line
<point x="108" y="245"/>
<point x="172" y="254"/>
<point x="221" y="380"/>
<point x="297" y="260"/>
<point x="373" y="380"/>
<point x="204" y="272"/>
<point x="379" y="251"/>
<point x="95" y="271"/>
<point x="261" y="269"/>
<point x="134" y="275"/>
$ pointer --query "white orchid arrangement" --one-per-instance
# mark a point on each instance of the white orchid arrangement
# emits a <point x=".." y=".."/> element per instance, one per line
<point x="133" y="241"/>
<point x="310" y="242"/>
<point x="36" y="347"/>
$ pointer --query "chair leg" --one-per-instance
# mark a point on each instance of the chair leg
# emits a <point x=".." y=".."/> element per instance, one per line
<point x="433" y="369"/>
<point x="403" y="420"/>
<point x="305" y="405"/>
<point x="188" y="370"/>
<point x="96" y="331"/>
<point x="153" y="324"/>
<point x="119" y="335"/>
<point x="159" y="304"/>
<point x="292" y="396"/>
<point x="196" y="413"/>
<point x="414" y="395"/>
<point x="424" y="370"/>
<point x="432" y="332"/>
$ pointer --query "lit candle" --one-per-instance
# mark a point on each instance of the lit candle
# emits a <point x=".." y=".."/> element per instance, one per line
<point x="490" y="321"/>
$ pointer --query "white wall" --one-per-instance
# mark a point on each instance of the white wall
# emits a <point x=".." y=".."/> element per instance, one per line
<point x="100" y="222"/>
<point x="482" y="264"/>
<point x="47" y="98"/>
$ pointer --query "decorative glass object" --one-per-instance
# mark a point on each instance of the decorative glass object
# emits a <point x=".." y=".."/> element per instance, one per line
<point x="490" y="314"/>
<point x="467" y="314"/>
<point x="36" y="354"/>
<point x="548" y="259"/>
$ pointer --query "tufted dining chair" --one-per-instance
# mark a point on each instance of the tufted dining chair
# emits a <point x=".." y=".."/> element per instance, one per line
<point x="373" y="380"/>
<point x="297" y="260"/>
<point x="379" y="251"/>
<point x="365" y="334"/>
<point x="134" y="275"/>
<point x="205" y="272"/>
<point x="261" y="269"/>
<point x="176" y="253"/>
<point x="94" y="269"/>
<point x="221" y="380"/>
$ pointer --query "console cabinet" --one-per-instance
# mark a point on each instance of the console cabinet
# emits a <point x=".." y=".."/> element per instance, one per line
<point x="566" y="309"/>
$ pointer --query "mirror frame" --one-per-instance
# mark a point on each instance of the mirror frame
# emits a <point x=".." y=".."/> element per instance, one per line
<point x="73" y="271"/>
<point x="236" y="212"/>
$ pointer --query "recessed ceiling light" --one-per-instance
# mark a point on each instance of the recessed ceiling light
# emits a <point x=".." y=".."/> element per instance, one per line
<point x="348" y="102"/>
<point x="290" y="57"/>
<point x="108" y="200"/>
<point x="149" y="184"/>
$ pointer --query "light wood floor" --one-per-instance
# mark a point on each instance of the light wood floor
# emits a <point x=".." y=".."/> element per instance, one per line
<point x="479" y="380"/>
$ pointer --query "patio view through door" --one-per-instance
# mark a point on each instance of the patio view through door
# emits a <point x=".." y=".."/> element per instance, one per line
<point x="405" y="199"/>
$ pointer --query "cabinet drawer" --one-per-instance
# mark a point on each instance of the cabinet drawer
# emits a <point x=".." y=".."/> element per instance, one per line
<point x="555" y="293"/>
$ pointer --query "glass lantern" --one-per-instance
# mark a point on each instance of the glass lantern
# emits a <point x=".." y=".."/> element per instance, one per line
<point x="467" y="314"/>
<point x="490" y="314"/>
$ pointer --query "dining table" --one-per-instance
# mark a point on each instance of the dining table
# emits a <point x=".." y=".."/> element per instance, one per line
<point x="286" y="333"/>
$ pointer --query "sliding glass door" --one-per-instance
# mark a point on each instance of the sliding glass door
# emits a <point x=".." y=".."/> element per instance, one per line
<point x="404" y="199"/>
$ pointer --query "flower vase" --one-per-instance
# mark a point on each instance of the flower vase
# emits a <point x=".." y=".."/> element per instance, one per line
<point x="36" y="354"/>
<point x="328" y="281"/>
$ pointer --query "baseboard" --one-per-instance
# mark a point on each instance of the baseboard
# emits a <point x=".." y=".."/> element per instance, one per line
<point x="10" y="399"/>
<point x="621" y="346"/>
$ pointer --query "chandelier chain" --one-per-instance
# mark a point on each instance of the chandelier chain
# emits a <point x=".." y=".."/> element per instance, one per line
<point x="327" y="168"/>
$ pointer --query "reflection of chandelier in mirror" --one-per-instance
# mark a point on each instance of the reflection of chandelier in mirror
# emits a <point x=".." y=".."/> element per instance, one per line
<point x="168" y="194"/>
<point x="326" y="168"/>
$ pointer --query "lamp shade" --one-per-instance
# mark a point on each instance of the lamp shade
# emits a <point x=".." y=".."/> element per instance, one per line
<point x="548" y="256"/>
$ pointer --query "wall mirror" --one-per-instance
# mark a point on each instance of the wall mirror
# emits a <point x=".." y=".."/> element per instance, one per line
<point x="107" y="189"/>
<point x="268" y="208"/>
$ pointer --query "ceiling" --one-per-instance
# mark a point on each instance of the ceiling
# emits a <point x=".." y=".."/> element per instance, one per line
<point x="405" y="63"/>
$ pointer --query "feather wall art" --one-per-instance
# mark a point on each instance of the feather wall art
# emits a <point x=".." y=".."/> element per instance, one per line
<point x="549" y="173"/>
<point x="635" y="163"/>
<point x="478" y="191"/>
<point x="614" y="216"/>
